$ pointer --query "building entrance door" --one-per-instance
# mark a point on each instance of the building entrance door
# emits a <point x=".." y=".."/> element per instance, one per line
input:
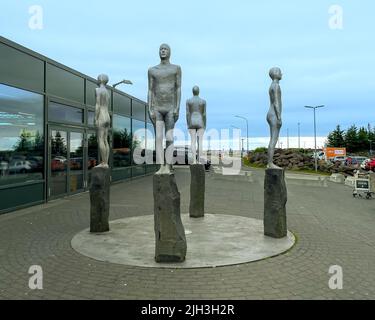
<point x="67" y="159"/>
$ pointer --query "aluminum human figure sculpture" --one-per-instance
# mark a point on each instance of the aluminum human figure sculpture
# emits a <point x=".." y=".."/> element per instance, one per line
<point x="164" y="97"/>
<point x="102" y="119"/>
<point x="274" y="114"/>
<point x="196" y="121"/>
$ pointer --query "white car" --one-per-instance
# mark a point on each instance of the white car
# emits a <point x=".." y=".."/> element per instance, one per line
<point x="21" y="166"/>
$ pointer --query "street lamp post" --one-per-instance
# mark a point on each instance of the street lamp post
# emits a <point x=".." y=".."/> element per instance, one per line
<point x="316" y="158"/>
<point x="122" y="81"/>
<point x="247" y="132"/>
<point x="239" y="140"/>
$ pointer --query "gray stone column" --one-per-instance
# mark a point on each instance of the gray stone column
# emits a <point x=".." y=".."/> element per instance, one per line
<point x="197" y="190"/>
<point x="99" y="186"/>
<point x="170" y="240"/>
<point x="275" y="198"/>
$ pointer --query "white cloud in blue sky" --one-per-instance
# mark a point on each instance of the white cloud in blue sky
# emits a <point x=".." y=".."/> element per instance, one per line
<point x="226" y="47"/>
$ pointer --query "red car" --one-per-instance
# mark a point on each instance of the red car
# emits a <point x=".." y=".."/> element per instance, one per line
<point x="371" y="165"/>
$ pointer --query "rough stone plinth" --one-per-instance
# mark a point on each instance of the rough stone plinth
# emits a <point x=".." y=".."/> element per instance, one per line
<point x="99" y="186"/>
<point x="170" y="241"/>
<point x="275" y="198"/>
<point x="197" y="190"/>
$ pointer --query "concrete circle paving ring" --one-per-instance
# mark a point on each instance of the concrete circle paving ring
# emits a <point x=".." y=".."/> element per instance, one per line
<point x="212" y="241"/>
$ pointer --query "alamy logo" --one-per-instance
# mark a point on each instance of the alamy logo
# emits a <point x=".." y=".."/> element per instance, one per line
<point x="336" y="280"/>
<point x="36" y="19"/>
<point x="336" y="21"/>
<point x="36" y="280"/>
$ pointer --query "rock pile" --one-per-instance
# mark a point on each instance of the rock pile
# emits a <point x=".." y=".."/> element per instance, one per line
<point x="295" y="160"/>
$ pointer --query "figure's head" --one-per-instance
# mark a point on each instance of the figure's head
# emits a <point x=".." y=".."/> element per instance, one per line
<point x="275" y="74"/>
<point x="165" y="51"/>
<point x="103" y="79"/>
<point x="196" y="90"/>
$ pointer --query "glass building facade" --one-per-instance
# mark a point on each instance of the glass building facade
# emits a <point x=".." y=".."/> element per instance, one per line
<point x="48" y="142"/>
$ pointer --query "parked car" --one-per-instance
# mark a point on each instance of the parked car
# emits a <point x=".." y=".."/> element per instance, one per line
<point x="340" y="159"/>
<point x="20" y="166"/>
<point x="364" y="164"/>
<point x="371" y="165"/>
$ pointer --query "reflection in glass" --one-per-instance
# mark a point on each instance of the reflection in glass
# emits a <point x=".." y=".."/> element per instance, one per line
<point x="62" y="113"/>
<point x="59" y="154"/>
<point x="90" y="118"/>
<point x="138" y="142"/>
<point x="92" y="151"/>
<point x="21" y="136"/>
<point x="121" y="141"/>
<point x="76" y="161"/>
<point x="150" y="141"/>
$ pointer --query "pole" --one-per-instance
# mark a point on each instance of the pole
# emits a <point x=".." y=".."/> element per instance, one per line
<point x="315" y="155"/>
<point x="299" y="136"/>
<point x="287" y="138"/>
<point x="247" y="131"/>
<point x="316" y="158"/>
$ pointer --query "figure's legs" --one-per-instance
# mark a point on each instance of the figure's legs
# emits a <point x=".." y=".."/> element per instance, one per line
<point x="169" y="127"/>
<point x="274" y="131"/>
<point x="106" y="146"/>
<point x="159" y="131"/>
<point x="103" y="146"/>
<point x="200" y="134"/>
<point x="193" y="134"/>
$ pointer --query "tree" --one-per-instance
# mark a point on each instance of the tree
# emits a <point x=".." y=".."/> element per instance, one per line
<point x="363" y="140"/>
<point x="351" y="139"/>
<point x="336" y="138"/>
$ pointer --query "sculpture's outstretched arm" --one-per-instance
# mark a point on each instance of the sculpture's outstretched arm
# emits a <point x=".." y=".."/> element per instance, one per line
<point x="150" y="96"/>
<point x="277" y="102"/>
<point x="204" y="115"/>
<point x="178" y="91"/>
<point x="187" y="114"/>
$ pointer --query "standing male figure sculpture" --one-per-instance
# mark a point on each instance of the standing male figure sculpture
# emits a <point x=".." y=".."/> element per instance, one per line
<point x="274" y="114"/>
<point x="164" y="97"/>
<point x="275" y="192"/>
<point x="102" y="119"/>
<point x="196" y="121"/>
<point x="100" y="175"/>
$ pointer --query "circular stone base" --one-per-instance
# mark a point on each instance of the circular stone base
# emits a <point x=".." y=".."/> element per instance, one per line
<point x="212" y="241"/>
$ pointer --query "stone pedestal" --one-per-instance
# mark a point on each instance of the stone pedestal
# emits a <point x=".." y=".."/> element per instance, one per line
<point x="275" y="198"/>
<point x="170" y="240"/>
<point x="99" y="199"/>
<point x="197" y="190"/>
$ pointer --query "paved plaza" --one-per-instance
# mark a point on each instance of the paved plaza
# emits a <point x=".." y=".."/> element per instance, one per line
<point x="332" y="228"/>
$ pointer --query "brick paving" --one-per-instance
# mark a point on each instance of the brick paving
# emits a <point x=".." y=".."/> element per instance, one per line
<point x="332" y="229"/>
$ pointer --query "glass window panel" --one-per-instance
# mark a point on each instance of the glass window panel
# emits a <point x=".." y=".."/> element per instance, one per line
<point x="59" y="154"/>
<point x="90" y="93"/>
<point x="121" y="104"/>
<point x="90" y="117"/>
<point x="138" y="140"/>
<point x="64" y="84"/>
<point x="76" y="151"/>
<point x="92" y="151"/>
<point x="21" y="136"/>
<point x="121" y="141"/>
<point x="76" y="161"/>
<point x="61" y="113"/>
<point x="138" y="110"/>
<point x="21" y="69"/>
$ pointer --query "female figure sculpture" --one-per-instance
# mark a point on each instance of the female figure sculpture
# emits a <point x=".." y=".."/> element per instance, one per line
<point x="274" y="114"/>
<point x="102" y="119"/>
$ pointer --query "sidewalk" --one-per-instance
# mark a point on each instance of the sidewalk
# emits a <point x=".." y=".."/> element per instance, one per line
<point x="332" y="229"/>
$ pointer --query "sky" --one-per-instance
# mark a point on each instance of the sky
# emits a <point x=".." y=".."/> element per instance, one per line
<point x="224" y="47"/>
